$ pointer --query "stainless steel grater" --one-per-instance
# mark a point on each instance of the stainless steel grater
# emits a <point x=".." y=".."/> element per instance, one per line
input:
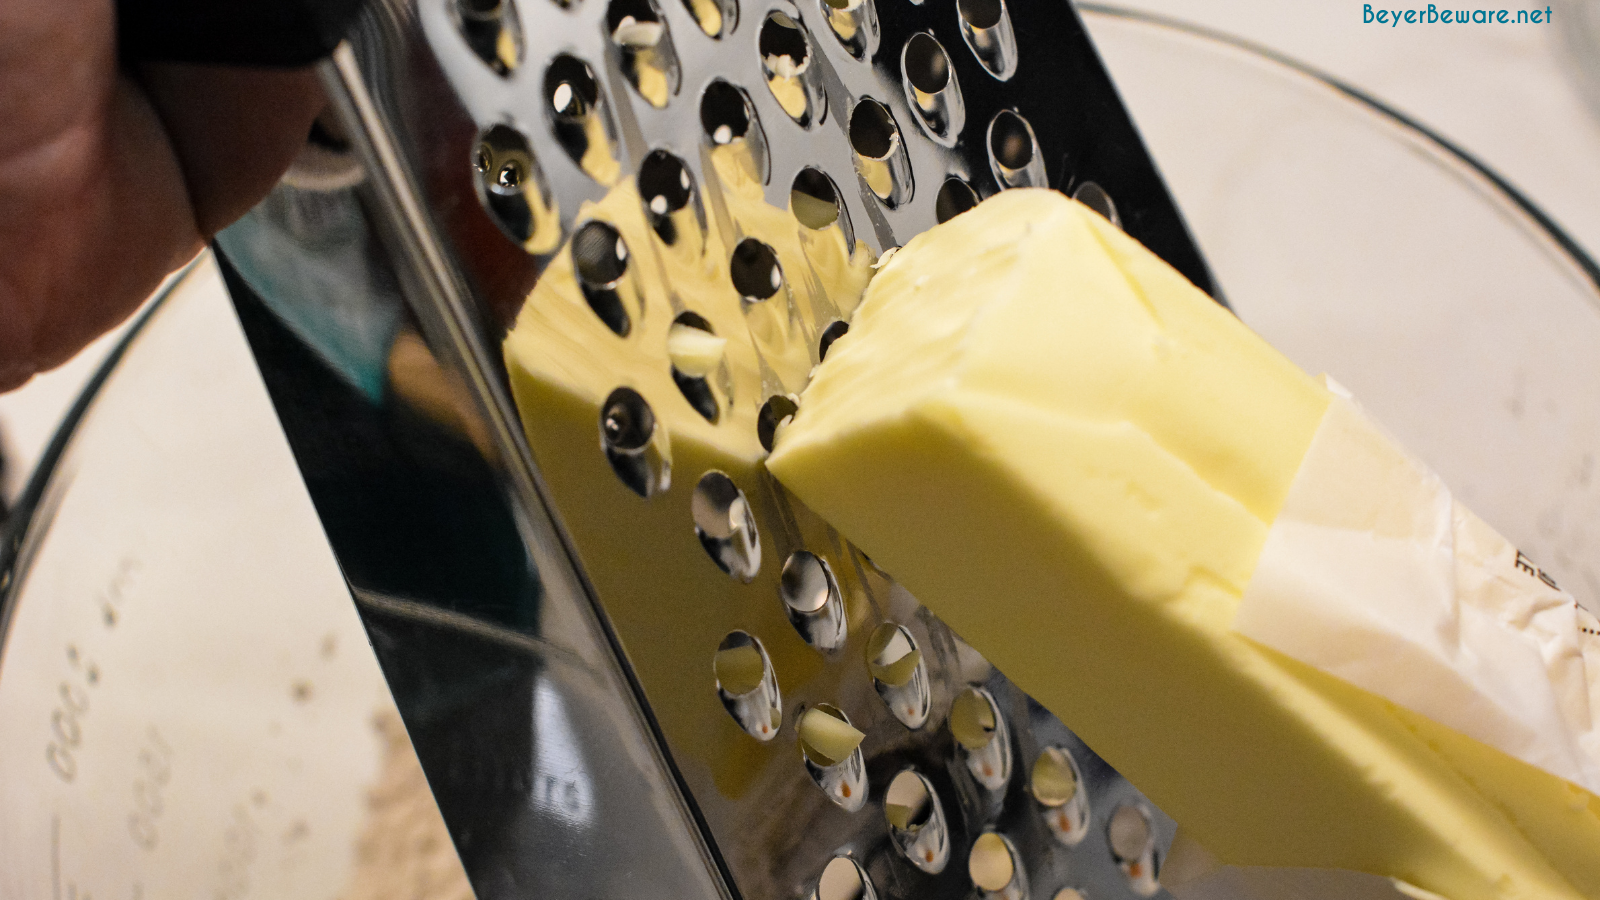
<point x="603" y="624"/>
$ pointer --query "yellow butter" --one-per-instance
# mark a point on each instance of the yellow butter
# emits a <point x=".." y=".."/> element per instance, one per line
<point x="1072" y="456"/>
<point x="827" y="739"/>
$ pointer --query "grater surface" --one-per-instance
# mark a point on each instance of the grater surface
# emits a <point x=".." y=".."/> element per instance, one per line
<point x="618" y="177"/>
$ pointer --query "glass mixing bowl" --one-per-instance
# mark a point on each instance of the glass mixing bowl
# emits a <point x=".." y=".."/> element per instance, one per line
<point x="1364" y="246"/>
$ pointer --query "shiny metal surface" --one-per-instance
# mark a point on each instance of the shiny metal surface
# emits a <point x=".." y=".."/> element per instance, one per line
<point x="534" y="747"/>
<point x="737" y="146"/>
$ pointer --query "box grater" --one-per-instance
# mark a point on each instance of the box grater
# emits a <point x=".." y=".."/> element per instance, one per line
<point x="603" y="623"/>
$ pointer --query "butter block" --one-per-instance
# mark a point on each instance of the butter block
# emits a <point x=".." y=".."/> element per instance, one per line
<point x="1073" y="457"/>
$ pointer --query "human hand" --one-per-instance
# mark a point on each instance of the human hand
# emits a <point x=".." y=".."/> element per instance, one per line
<point x="110" y="179"/>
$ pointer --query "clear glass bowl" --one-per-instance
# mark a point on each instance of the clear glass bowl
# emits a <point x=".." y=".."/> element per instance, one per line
<point x="1364" y="246"/>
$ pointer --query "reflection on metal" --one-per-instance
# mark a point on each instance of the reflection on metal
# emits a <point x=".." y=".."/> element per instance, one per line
<point x="715" y="17"/>
<point x="1095" y="197"/>
<point x="917" y="821"/>
<point x="1057" y="785"/>
<point x="601" y="259"/>
<point x="986" y="26"/>
<point x="748" y="686"/>
<point x="931" y="88"/>
<point x="671" y="202"/>
<point x="726" y="526"/>
<point x="855" y="24"/>
<point x="577" y="111"/>
<point x="493" y="30"/>
<point x="514" y="190"/>
<point x="956" y="196"/>
<point x="811" y="596"/>
<point x="831" y="748"/>
<point x="816" y="203"/>
<point x="1014" y="155"/>
<point x="636" y="443"/>
<point x="880" y="153"/>
<point x="996" y="868"/>
<point x="644" y="47"/>
<point x="791" y="74"/>
<point x="698" y="363"/>
<point x="729" y="120"/>
<point x="981" y="730"/>
<point x="844" y="879"/>
<point x="1132" y="838"/>
<point x="899" y="674"/>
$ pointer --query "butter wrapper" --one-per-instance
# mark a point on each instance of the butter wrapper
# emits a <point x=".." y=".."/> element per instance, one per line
<point x="1374" y="574"/>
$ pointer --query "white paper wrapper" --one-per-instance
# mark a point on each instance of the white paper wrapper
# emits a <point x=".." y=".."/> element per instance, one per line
<point x="1374" y="574"/>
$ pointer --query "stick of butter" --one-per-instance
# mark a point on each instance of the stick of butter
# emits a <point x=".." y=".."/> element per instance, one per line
<point x="1074" y="458"/>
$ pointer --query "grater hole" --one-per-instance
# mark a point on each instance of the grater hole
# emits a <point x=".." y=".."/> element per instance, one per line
<point x="1014" y="152"/>
<point x="910" y="802"/>
<point x="993" y="864"/>
<point x="1056" y="784"/>
<point x="854" y="23"/>
<point x="1055" y="779"/>
<point x="831" y="748"/>
<point x="880" y="153"/>
<point x="815" y="201"/>
<point x="786" y="62"/>
<point x="930" y="88"/>
<point x="980" y="14"/>
<point x="980" y="730"/>
<point x="715" y="17"/>
<point x="571" y="89"/>
<point x="986" y="27"/>
<point x="726" y="526"/>
<point x="784" y="48"/>
<point x="747" y="685"/>
<point x="806" y="585"/>
<point x="1069" y="894"/>
<point x="729" y="123"/>
<point x="811" y="597"/>
<point x="667" y="188"/>
<point x="572" y="97"/>
<point x="833" y="332"/>
<point x="899" y="674"/>
<point x="492" y="29"/>
<point x="916" y="821"/>
<point x="725" y="114"/>
<point x="956" y="196"/>
<point x="696" y="353"/>
<point x="872" y="130"/>
<point x="631" y="438"/>
<point x="926" y="65"/>
<point x="1132" y="839"/>
<point x="511" y="188"/>
<point x="600" y="257"/>
<point x="826" y="736"/>
<point x="755" y="270"/>
<point x="1095" y="197"/>
<point x="648" y="57"/>
<point x="775" y="414"/>
<point x="844" y="879"/>
<point x="1010" y="140"/>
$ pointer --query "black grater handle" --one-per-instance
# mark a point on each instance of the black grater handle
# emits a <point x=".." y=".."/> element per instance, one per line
<point x="267" y="33"/>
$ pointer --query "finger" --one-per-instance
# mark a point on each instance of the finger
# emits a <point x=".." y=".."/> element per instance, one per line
<point x="234" y="130"/>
